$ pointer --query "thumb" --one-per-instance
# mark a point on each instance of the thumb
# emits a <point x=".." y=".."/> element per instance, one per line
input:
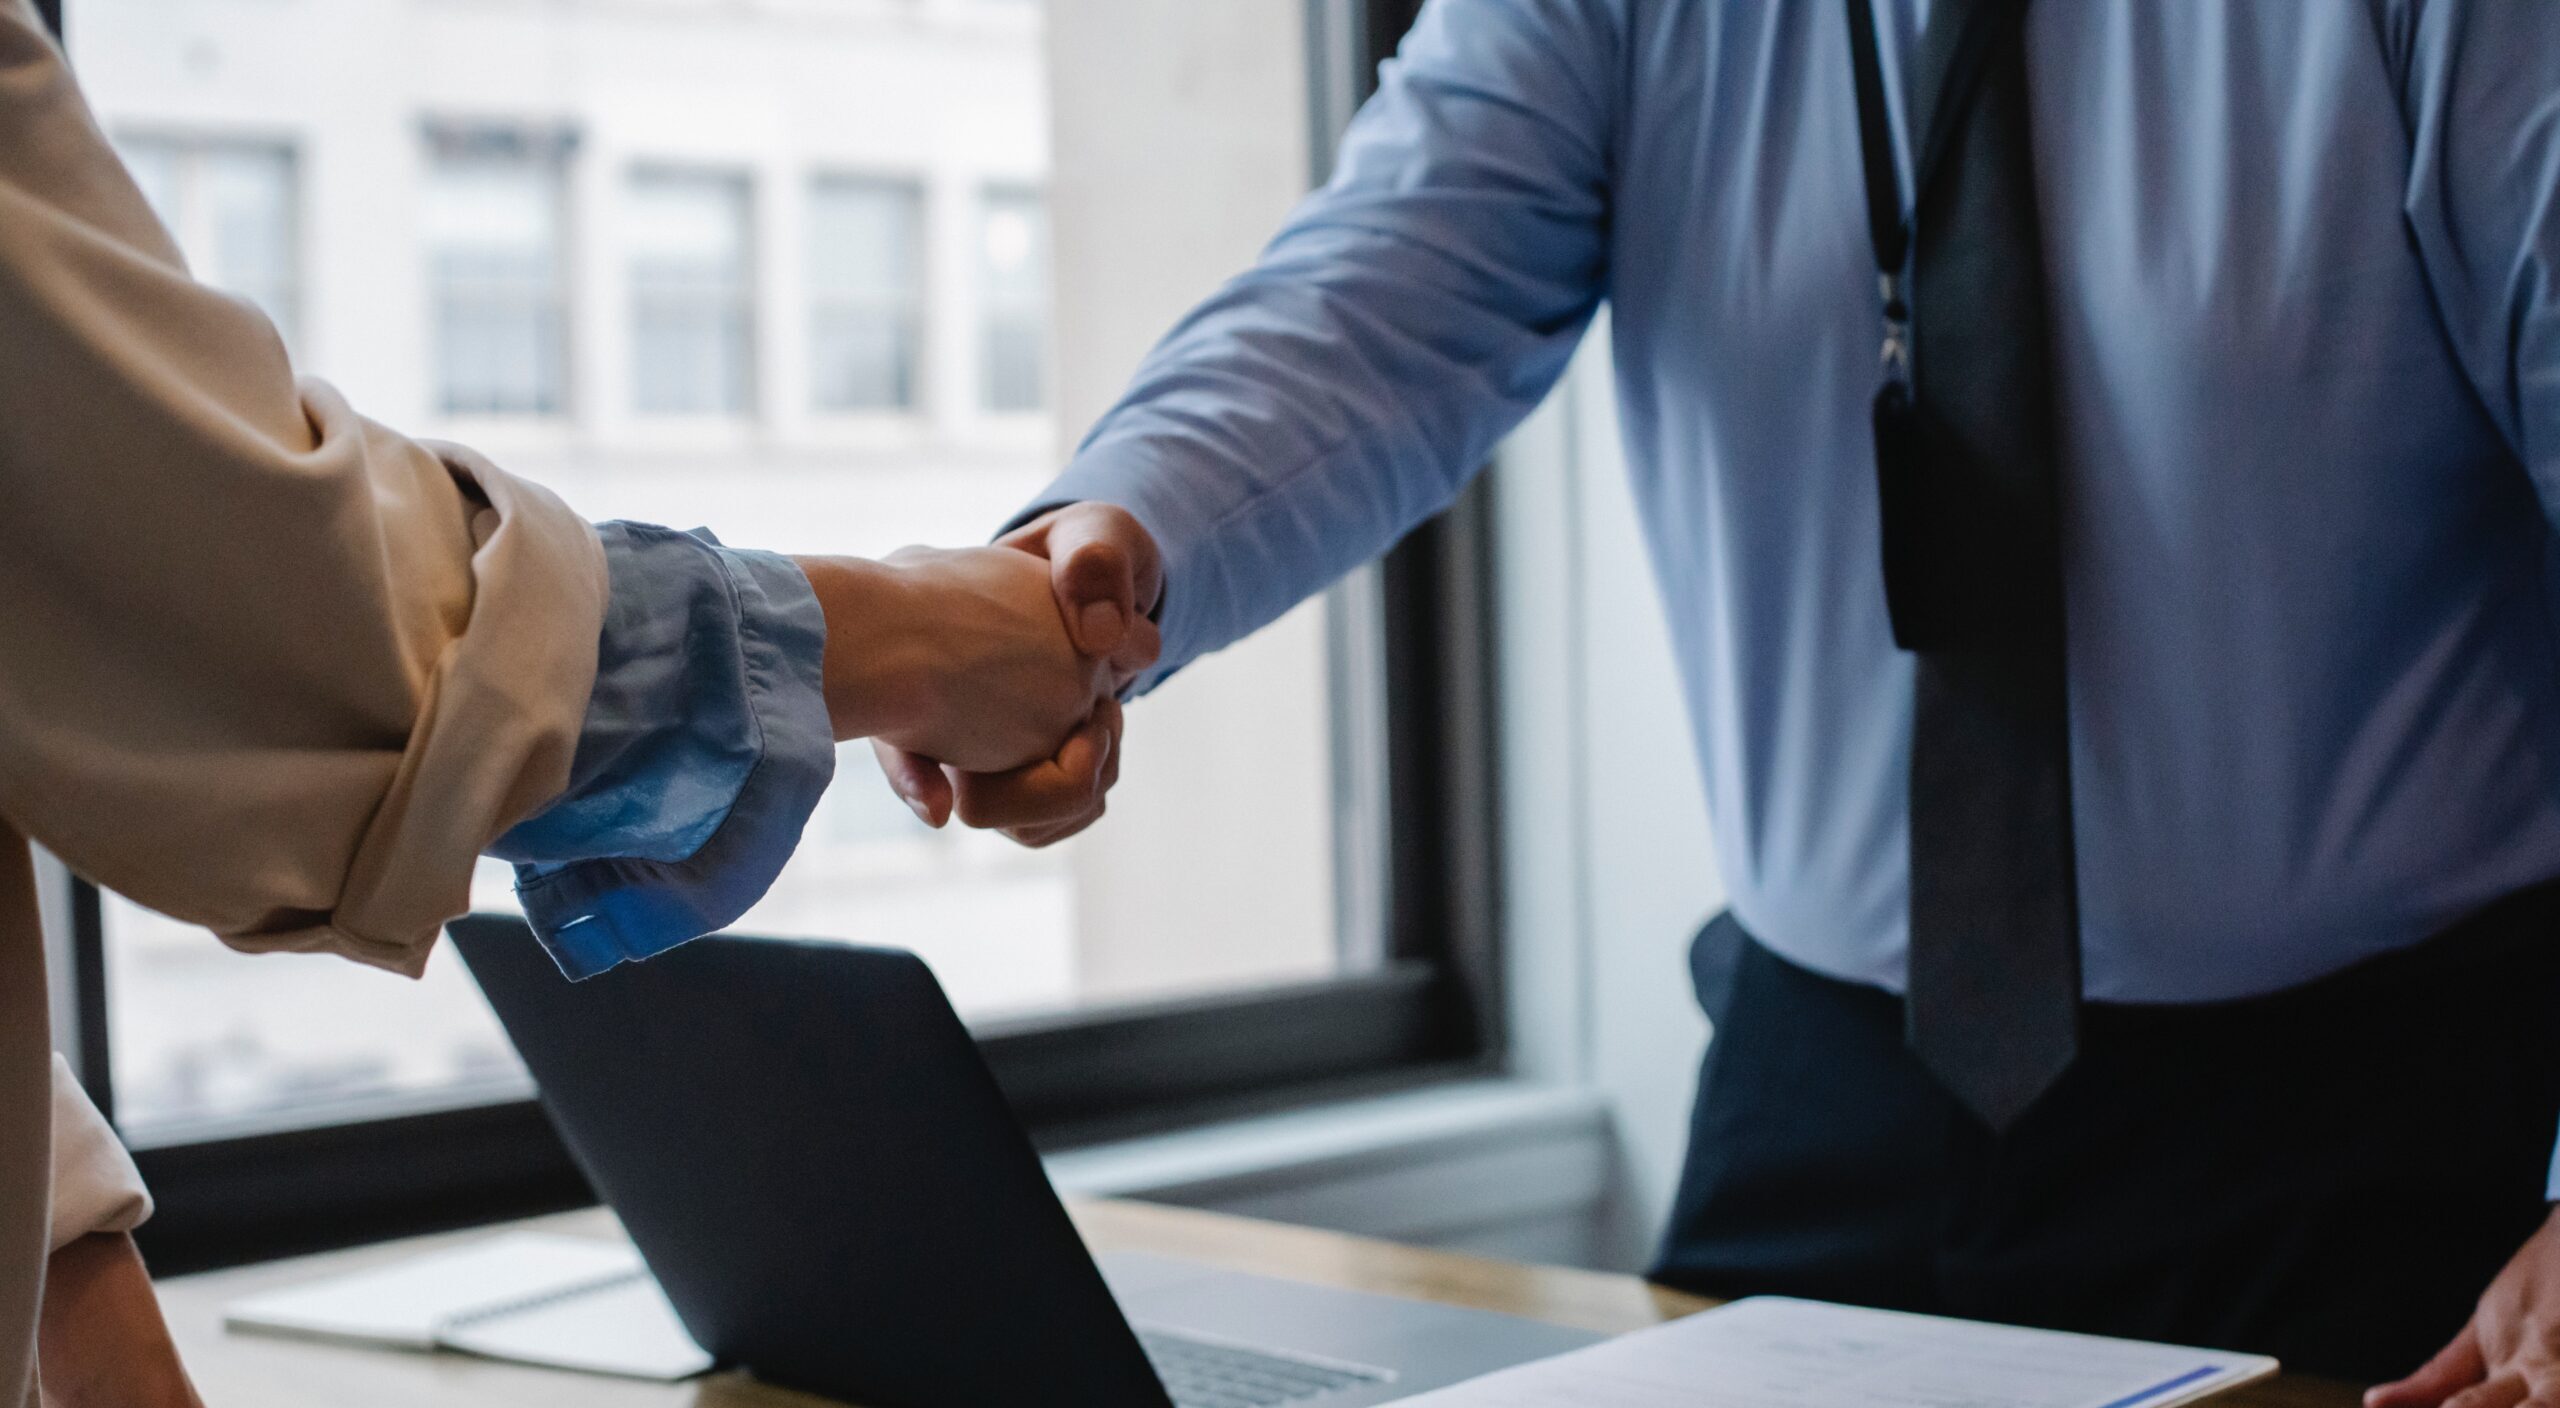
<point x="2456" y="1367"/>
<point x="1106" y="573"/>
<point x="918" y="780"/>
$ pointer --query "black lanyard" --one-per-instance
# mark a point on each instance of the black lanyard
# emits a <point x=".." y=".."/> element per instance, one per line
<point x="1914" y="601"/>
<point x="1888" y="228"/>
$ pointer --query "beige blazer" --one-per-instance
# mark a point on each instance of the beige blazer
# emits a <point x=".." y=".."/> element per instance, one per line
<point x="264" y="665"/>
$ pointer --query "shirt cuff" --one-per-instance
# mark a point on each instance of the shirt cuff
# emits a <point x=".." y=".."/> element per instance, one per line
<point x="95" y="1186"/>
<point x="706" y="747"/>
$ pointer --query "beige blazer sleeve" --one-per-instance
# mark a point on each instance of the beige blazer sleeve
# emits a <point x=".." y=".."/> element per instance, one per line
<point x="264" y="665"/>
<point x="95" y="1187"/>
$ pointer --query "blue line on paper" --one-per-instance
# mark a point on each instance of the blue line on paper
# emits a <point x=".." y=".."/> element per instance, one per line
<point x="2160" y="1388"/>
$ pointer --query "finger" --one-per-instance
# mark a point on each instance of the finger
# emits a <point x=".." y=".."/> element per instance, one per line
<point x="1045" y="793"/>
<point x="2542" y="1386"/>
<point x="1033" y="537"/>
<point x="1115" y="720"/>
<point x="1137" y="653"/>
<point x="1041" y="837"/>
<point x="918" y="781"/>
<point x="2457" y="1366"/>
<point x="2504" y="1391"/>
<point x="1103" y="555"/>
<point x="1095" y="590"/>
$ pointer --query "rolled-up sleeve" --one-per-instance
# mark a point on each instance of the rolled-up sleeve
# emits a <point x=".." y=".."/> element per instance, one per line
<point x="273" y="668"/>
<point x="95" y="1187"/>
<point x="705" y="748"/>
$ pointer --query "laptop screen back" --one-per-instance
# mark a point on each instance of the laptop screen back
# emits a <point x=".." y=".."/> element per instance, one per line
<point x="808" y="1150"/>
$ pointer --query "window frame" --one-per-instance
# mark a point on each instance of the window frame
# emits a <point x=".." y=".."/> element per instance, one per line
<point x="1429" y="1009"/>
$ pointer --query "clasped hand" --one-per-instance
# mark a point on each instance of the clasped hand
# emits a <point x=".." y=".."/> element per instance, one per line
<point x="988" y="679"/>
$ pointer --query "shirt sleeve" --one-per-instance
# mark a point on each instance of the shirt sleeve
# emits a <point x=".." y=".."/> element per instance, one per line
<point x="2482" y="93"/>
<point x="1405" y="319"/>
<point x="706" y="746"/>
<point x="95" y="1187"/>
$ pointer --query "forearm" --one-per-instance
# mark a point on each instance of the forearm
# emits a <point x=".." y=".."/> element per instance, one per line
<point x="877" y="665"/>
<point x="1407" y="317"/>
<point x="102" y="1342"/>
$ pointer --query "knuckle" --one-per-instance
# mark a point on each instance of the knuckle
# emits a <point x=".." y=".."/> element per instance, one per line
<point x="979" y="807"/>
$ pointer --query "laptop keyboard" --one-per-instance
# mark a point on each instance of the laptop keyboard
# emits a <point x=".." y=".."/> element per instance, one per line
<point x="1204" y="1374"/>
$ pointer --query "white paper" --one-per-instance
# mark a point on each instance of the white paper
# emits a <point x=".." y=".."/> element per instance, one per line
<point x="626" y="1329"/>
<point x="1777" y="1353"/>
<point x="406" y="1304"/>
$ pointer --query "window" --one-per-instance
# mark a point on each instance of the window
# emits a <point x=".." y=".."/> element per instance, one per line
<point x="1013" y="259"/>
<point x="866" y="294"/>
<point x="693" y="315"/>
<point x="1255" y="920"/>
<point x="230" y="205"/>
<point x="494" y="247"/>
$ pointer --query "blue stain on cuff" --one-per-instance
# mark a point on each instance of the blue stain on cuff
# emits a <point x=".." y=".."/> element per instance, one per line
<point x="707" y="746"/>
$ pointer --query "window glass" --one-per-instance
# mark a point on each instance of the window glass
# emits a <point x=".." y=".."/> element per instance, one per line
<point x="492" y="229"/>
<point x="156" y="167"/>
<point x="866" y="294"/>
<point x="824" y="278"/>
<point x="692" y="294"/>
<point x="231" y="206"/>
<point x="1013" y="249"/>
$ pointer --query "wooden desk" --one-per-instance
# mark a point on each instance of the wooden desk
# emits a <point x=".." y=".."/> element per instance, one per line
<point x="253" y="1371"/>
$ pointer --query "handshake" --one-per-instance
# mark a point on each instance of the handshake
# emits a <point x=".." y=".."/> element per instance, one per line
<point x="988" y="679"/>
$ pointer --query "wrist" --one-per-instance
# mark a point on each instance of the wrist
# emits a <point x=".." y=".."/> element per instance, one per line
<point x="878" y="658"/>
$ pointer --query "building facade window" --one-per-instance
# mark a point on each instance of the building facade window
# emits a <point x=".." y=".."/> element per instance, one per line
<point x="693" y="318"/>
<point x="496" y="273"/>
<point x="1013" y="288"/>
<point x="234" y="208"/>
<point x="866" y="294"/>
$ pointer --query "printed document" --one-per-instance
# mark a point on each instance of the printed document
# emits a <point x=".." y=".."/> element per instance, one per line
<point x="1777" y="1353"/>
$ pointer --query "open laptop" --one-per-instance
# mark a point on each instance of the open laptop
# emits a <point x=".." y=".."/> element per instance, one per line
<point x="808" y="1151"/>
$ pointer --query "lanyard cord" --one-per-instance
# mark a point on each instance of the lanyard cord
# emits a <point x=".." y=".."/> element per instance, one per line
<point x="1888" y="229"/>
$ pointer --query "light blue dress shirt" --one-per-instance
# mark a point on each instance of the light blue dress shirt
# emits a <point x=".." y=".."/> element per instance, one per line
<point x="2306" y="269"/>
<point x="705" y="748"/>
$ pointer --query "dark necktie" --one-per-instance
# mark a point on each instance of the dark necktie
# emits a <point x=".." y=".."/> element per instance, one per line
<point x="1966" y="460"/>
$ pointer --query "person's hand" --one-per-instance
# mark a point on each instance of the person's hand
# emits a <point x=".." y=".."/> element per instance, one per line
<point x="958" y="656"/>
<point x="100" y="1342"/>
<point x="2509" y="1355"/>
<point x="1106" y="575"/>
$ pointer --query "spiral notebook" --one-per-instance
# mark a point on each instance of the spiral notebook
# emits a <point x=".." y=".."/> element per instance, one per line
<point x="562" y="1302"/>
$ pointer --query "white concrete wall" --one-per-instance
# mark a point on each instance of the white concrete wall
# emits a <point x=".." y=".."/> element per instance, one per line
<point x="1181" y="139"/>
<point x="1608" y="868"/>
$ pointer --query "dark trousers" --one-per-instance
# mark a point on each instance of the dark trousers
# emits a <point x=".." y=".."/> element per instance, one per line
<point x="2331" y="1174"/>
